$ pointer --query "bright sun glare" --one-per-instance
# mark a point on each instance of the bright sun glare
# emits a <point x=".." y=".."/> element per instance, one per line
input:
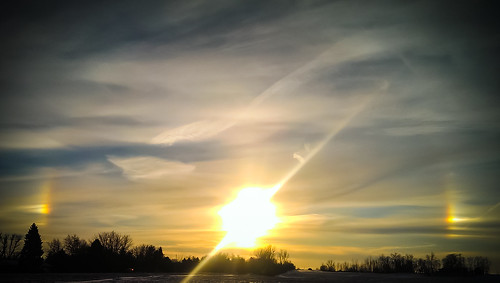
<point x="248" y="217"/>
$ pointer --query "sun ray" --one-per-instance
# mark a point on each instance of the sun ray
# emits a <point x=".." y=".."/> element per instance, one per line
<point x="235" y="217"/>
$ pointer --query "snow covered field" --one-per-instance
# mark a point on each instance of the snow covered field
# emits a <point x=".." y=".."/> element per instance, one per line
<point x="293" y="276"/>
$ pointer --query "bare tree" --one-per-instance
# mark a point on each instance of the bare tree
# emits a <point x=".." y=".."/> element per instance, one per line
<point x="144" y="251"/>
<point x="283" y="256"/>
<point x="267" y="253"/>
<point x="9" y="245"/>
<point x="114" y="242"/>
<point x="74" y="245"/>
<point x="432" y="263"/>
<point x="55" y="246"/>
<point x="330" y="265"/>
<point x="478" y="265"/>
<point x="370" y="264"/>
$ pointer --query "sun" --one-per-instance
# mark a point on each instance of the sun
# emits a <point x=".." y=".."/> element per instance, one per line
<point x="250" y="216"/>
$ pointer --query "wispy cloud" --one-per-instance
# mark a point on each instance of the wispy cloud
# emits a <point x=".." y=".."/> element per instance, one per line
<point x="194" y="132"/>
<point x="194" y="100"/>
<point x="147" y="167"/>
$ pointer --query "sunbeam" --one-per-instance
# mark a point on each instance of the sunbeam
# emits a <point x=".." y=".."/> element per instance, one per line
<point x="242" y="223"/>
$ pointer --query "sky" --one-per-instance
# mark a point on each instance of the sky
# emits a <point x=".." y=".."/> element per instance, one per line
<point x="147" y="117"/>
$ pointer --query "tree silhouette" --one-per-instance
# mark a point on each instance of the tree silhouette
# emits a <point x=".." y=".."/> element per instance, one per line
<point x="73" y="245"/>
<point x="57" y="259"/>
<point x="266" y="261"/>
<point x="432" y="263"/>
<point x="31" y="254"/>
<point x="116" y="251"/>
<point x="96" y="256"/>
<point x="115" y="242"/>
<point x="147" y="258"/>
<point x="9" y="245"/>
<point x="478" y="265"/>
<point x="329" y="266"/>
<point x="267" y="253"/>
<point x="283" y="256"/>
<point x="454" y="263"/>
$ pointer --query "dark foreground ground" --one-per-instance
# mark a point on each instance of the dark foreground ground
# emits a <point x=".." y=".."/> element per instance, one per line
<point x="292" y="276"/>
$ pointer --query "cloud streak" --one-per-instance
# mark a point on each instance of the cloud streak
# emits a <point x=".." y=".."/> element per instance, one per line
<point x="147" y="167"/>
<point x="167" y="114"/>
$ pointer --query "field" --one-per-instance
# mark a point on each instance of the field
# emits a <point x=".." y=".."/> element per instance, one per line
<point x="293" y="276"/>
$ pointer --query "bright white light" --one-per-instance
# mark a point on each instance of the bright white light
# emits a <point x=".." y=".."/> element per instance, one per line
<point x="248" y="217"/>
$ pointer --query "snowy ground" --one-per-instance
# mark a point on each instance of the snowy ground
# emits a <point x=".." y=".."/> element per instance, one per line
<point x="293" y="276"/>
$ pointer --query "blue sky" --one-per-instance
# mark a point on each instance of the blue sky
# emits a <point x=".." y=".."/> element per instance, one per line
<point x="146" y="118"/>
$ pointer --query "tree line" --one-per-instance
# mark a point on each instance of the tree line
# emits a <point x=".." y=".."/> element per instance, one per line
<point x="452" y="264"/>
<point x="113" y="252"/>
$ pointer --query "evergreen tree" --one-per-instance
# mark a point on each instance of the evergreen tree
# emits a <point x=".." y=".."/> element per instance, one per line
<point x="31" y="254"/>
